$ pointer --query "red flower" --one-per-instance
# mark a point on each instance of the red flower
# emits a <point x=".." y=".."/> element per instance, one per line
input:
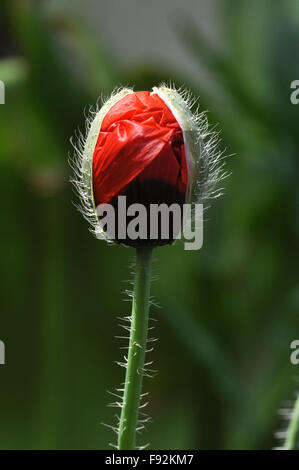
<point x="149" y="147"/>
<point x="140" y="143"/>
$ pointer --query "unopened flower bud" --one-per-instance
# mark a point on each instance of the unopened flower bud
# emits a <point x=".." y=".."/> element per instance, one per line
<point x="150" y="148"/>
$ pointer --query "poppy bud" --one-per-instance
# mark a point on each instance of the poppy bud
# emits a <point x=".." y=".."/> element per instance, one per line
<point x="150" y="148"/>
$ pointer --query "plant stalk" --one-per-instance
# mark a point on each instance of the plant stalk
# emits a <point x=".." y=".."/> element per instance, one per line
<point x="137" y="347"/>
<point x="292" y="439"/>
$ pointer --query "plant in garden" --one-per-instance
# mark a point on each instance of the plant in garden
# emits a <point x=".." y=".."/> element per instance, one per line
<point x="292" y="437"/>
<point x="290" y="434"/>
<point x="150" y="148"/>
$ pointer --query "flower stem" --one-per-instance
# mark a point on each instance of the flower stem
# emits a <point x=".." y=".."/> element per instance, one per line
<point x="292" y="439"/>
<point x="137" y="348"/>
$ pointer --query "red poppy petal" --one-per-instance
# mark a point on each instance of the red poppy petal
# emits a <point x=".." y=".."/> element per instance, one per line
<point x="139" y="137"/>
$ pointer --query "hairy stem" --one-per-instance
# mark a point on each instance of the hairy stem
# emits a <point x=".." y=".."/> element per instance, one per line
<point x="137" y="348"/>
<point x="292" y="439"/>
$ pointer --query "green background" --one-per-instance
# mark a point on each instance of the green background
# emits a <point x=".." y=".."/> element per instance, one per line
<point x="228" y="312"/>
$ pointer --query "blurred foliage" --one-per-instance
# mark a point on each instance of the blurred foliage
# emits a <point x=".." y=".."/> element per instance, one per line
<point x="229" y="312"/>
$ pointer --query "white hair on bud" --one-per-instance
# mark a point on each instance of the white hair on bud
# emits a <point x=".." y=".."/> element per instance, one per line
<point x="81" y="162"/>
